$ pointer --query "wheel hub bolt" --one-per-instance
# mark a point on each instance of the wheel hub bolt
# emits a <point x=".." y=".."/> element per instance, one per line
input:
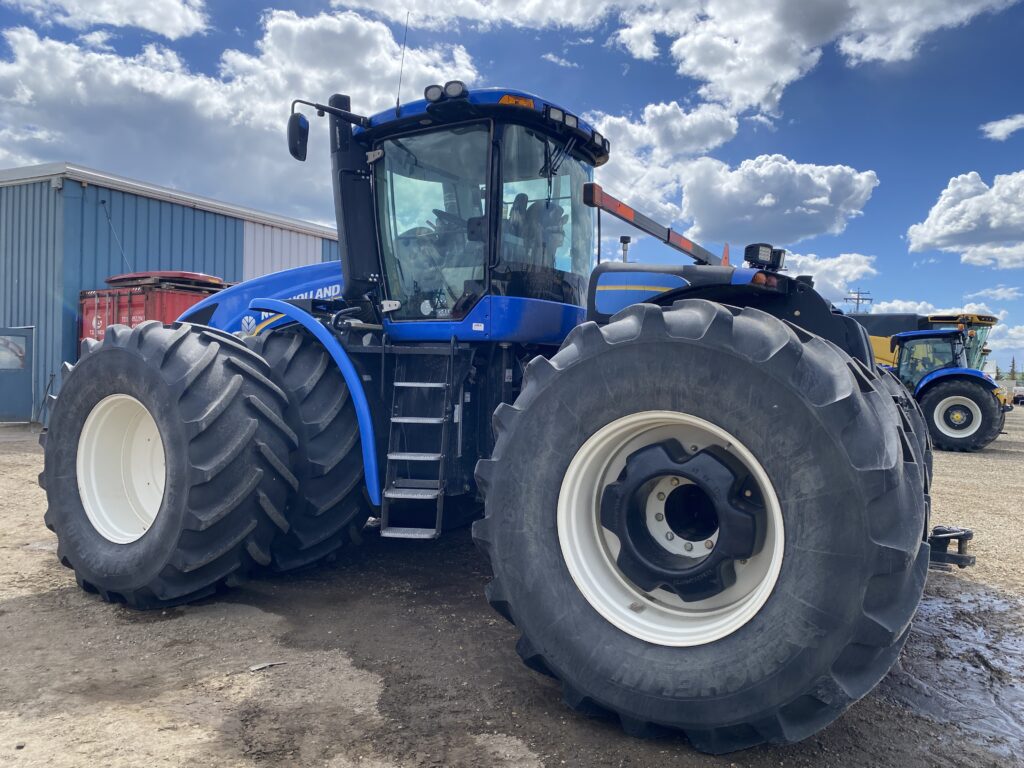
<point x="661" y="496"/>
<point x="674" y="481"/>
<point x="747" y="493"/>
<point x="659" y="517"/>
<point x="709" y="544"/>
<point x="670" y="535"/>
<point x="687" y="546"/>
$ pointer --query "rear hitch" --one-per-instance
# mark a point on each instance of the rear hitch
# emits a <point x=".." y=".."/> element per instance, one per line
<point x="941" y="558"/>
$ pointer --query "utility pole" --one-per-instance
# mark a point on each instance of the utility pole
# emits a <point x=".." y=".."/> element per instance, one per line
<point x="857" y="298"/>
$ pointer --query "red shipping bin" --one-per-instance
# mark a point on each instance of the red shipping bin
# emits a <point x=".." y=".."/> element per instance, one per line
<point x="140" y="296"/>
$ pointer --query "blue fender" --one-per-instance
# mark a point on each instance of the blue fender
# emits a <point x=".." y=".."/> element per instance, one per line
<point x="348" y="371"/>
<point x="945" y="373"/>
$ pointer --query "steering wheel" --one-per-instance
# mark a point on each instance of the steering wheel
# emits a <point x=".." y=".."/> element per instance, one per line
<point x="450" y="218"/>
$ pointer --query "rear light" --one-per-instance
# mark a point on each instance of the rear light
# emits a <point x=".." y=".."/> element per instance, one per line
<point x="433" y="93"/>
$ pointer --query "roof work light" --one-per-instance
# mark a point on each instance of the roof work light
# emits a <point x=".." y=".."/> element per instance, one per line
<point x="453" y="89"/>
<point x="763" y="256"/>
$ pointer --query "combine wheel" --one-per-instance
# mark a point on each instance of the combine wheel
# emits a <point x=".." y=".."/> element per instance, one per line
<point x="166" y="467"/>
<point x="704" y="519"/>
<point x="329" y="510"/>
<point x="963" y="415"/>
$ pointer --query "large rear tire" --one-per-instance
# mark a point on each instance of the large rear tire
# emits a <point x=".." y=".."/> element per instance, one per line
<point x="914" y="422"/>
<point x="787" y="621"/>
<point x="962" y="415"/>
<point x="329" y="509"/>
<point x="166" y="464"/>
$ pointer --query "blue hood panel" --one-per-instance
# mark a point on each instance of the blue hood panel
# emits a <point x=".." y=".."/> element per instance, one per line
<point x="230" y="307"/>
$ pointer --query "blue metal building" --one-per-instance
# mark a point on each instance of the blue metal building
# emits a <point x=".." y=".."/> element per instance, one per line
<point x="63" y="228"/>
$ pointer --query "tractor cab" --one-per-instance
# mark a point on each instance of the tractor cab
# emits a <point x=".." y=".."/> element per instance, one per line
<point x="472" y="195"/>
<point x="919" y="353"/>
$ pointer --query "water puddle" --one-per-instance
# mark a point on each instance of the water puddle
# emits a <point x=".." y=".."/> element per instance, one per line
<point x="964" y="664"/>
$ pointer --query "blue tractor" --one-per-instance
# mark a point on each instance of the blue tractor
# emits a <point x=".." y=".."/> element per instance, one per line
<point x="960" y="404"/>
<point x="704" y="506"/>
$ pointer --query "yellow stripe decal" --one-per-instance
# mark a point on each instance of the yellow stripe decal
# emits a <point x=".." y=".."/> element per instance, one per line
<point x="259" y="328"/>
<point x="658" y="288"/>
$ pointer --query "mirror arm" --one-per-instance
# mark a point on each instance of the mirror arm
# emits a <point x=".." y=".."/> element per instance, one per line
<point x="342" y="114"/>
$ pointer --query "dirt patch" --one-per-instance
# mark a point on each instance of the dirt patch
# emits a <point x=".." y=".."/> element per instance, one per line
<point x="393" y="658"/>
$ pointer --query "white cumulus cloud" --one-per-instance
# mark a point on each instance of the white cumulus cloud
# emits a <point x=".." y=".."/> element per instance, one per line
<point x="772" y="198"/>
<point x="170" y="18"/>
<point x="148" y="116"/>
<point x="984" y="224"/>
<point x="882" y="30"/>
<point x="1007" y="338"/>
<point x="98" y="39"/>
<point x="1001" y="130"/>
<point x="656" y="166"/>
<point x="999" y="293"/>
<point x="833" y="275"/>
<point x="918" y="307"/>
<point x="649" y="154"/>
<point x="559" y="61"/>
<point x="744" y="52"/>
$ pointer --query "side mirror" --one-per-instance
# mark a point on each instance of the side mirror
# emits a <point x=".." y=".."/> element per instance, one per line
<point x="298" y="135"/>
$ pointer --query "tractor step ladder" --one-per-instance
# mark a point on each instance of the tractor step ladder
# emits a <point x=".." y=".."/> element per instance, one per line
<point x="421" y="413"/>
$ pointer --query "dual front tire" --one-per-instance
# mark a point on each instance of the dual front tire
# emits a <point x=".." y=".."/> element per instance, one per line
<point x="179" y="460"/>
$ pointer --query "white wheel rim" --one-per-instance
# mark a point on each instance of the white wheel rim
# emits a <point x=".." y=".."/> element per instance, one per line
<point x="956" y="403"/>
<point x="121" y="468"/>
<point x="589" y="550"/>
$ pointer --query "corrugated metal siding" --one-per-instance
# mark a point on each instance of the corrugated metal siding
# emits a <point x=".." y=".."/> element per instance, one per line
<point x="154" y="235"/>
<point x="271" y="249"/>
<point x="30" y="274"/>
<point x="330" y="250"/>
<point x="56" y="242"/>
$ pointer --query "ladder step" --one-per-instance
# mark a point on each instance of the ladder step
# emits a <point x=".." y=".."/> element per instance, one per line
<point x="422" y="384"/>
<point x="414" y="456"/>
<point x="417" y="419"/>
<point x="411" y="493"/>
<point x="391" y="532"/>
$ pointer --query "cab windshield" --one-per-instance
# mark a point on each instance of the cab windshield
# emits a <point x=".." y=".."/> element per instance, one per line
<point x="546" y="233"/>
<point x="977" y="335"/>
<point x="432" y="208"/>
<point x="919" y="357"/>
<point x="976" y="347"/>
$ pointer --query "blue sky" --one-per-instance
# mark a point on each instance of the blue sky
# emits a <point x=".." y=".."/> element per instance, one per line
<point x="849" y="131"/>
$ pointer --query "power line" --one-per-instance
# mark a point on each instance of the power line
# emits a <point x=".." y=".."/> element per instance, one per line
<point x="858" y="297"/>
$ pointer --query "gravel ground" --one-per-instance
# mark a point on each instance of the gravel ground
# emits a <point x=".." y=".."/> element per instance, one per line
<point x="393" y="658"/>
